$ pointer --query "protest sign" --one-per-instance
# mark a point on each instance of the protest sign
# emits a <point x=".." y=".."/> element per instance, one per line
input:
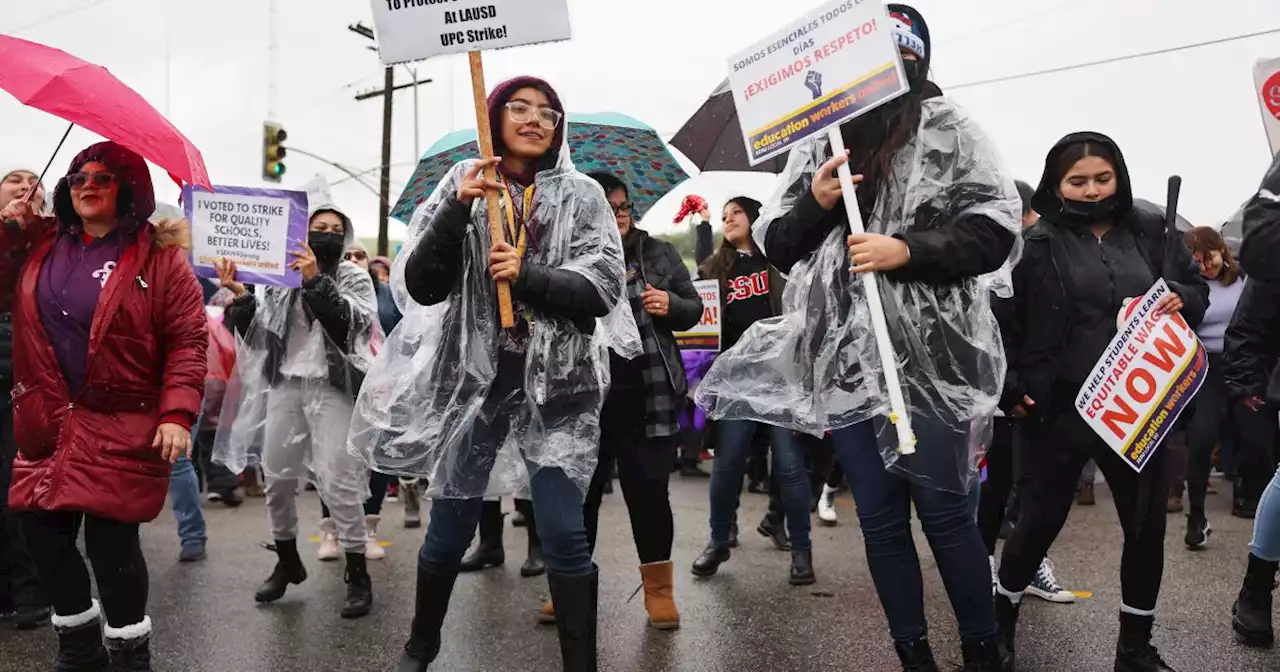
<point x="255" y="228"/>
<point x="411" y="30"/>
<point x="1148" y="374"/>
<point x="836" y="63"/>
<point x="705" y="335"/>
<point x="1266" y="75"/>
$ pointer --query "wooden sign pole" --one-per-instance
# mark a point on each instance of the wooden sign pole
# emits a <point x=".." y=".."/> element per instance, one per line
<point x="485" y="134"/>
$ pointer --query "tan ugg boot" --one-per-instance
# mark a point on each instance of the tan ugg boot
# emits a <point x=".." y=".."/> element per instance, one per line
<point x="658" y="600"/>
<point x="547" y="615"/>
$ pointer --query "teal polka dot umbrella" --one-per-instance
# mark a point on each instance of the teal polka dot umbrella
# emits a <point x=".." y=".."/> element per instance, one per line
<point x="606" y="142"/>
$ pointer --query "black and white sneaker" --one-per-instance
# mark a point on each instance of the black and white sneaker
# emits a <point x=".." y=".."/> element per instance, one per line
<point x="1198" y="532"/>
<point x="1045" y="585"/>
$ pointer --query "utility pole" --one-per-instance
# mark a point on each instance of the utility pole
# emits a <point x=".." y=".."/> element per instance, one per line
<point x="388" y="90"/>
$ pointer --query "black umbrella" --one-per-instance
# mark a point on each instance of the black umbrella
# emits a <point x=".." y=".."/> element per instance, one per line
<point x="712" y="137"/>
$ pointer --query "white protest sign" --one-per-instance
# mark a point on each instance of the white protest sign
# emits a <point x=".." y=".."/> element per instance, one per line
<point x="255" y="228"/>
<point x="1266" y="75"/>
<point x="411" y="30"/>
<point x="819" y="71"/>
<point x="705" y="335"/>
<point x="1145" y="378"/>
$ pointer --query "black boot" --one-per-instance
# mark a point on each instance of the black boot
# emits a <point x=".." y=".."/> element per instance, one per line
<point x="80" y="646"/>
<point x="489" y="551"/>
<point x="1007" y="630"/>
<point x="774" y="528"/>
<point x="916" y="656"/>
<point x="29" y="617"/>
<point x="430" y="604"/>
<point x="1252" y="610"/>
<point x="288" y="570"/>
<point x="802" y="568"/>
<point x="359" y="587"/>
<point x="689" y="469"/>
<point x="1134" y="652"/>
<point x="535" y="564"/>
<point x="982" y="655"/>
<point x="131" y="654"/>
<point x="733" y="535"/>
<point x="709" y="561"/>
<point x="575" y="600"/>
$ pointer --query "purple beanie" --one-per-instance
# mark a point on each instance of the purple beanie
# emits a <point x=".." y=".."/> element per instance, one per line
<point x="498" y="99"/>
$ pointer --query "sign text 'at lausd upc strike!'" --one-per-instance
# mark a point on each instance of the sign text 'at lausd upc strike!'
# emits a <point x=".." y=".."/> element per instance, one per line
<point x="412" y="30"/>
<point x="705" y="335"/>
<point x="1148" y="374"/>
<point x="834" y="64"/>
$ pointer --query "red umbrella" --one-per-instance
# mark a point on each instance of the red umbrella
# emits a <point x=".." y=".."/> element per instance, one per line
<point x="89" y="96"/>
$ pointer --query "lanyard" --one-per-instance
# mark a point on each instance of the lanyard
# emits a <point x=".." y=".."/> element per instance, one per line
<point x="518" y="234"/>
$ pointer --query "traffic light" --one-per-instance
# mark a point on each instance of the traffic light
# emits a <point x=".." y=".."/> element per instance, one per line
<point x="273" y="152"/>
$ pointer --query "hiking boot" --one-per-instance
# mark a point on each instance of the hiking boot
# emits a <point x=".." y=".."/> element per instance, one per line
<point x="359" y="587"/>
<point x="802" y="568"/>
<point x="916" y="656"/>
<point x="1251" y="614"/>
<point x="776" y="530"/>
<point x="982" y="655"/>
<point x="288" y="570"/>
<point x="1134" y="652"/>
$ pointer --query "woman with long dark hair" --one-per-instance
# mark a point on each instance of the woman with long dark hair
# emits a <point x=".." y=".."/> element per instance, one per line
<point x="1090" y="251"/>
<point x="751" y="290"/>
<point x="939" y="213"/>
<point x="1209" y="408"/>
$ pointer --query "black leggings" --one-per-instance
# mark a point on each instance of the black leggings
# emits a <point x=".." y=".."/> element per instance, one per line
<point x="1208" y="410"/>
<point x="996" y="490"/>
<point x="378" y="484"/>
<point x="1061" y="450"/>
<point x="644" y="473"/>
<point x="114" y="551"/>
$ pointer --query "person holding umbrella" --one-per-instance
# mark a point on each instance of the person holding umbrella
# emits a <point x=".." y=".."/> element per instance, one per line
<point x="109" y="364"/>
<point x="1090" y="252"/>
<point x="941" y="215"/>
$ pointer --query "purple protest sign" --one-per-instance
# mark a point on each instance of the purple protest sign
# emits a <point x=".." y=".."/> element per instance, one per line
<point x="255" y="228"/>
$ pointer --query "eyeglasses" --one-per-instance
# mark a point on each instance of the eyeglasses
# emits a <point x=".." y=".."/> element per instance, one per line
<point x="78" y="180"/>
<point x="622" y="208"/>
<point x="357" y="255"/>
<point x="524" y="113"/>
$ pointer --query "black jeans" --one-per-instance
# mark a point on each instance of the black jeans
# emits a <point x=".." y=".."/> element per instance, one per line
<point x="114" y="551"/>
<point x="378" y="484"/>
<point x="1208" y="411"/>
<point x="213" y="476"/>
<point x="644" y="473"/>
<point x="1256" y="434"/>
<point x="19" y="584"/>
<point x="1062" y="447"/>
<point x="996" y="490"/>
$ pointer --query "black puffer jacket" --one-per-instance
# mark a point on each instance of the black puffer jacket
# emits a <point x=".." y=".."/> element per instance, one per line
<point x="1253" y="342"/>
<point x="1262" y="229"/>
<point x="662" y="267"/>
<point x="1044" y="311"/>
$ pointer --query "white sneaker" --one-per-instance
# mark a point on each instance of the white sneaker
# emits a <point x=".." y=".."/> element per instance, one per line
<point x="827" y="507"/>
<point x="373" y="551"/>
<point x="995" y="574"/>
<point x="329" y="549"/>
<point x="1045" y="585"/>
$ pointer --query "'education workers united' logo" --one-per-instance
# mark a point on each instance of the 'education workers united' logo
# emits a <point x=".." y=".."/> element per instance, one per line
<point x="813" y="80"/>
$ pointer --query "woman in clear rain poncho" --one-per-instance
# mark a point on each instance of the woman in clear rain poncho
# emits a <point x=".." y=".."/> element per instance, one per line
<point x="301" y="359"/>
<point x="458" y="400"/>
<point x="939" y="212"/>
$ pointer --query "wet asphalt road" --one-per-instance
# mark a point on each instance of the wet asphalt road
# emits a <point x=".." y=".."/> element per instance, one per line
<point x="745" y="619"/>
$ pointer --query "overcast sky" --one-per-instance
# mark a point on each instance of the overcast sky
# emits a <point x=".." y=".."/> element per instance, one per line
<point x="1191" y="112"/>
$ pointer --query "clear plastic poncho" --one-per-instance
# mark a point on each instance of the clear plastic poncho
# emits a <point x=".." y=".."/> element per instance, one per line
<point x="816" y="367"/>
<point x="426" y="394"/>
<point x="288" y="402"/>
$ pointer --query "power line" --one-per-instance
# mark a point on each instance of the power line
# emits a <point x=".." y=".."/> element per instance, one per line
<point x="1115" y="59"/>
<point x="49" y="17"/>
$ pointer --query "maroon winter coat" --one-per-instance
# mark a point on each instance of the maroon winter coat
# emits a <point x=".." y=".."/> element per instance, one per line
<point x="92" y="452"/>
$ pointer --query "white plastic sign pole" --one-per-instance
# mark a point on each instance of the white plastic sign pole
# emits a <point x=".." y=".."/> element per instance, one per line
<point x="898" y="415"/>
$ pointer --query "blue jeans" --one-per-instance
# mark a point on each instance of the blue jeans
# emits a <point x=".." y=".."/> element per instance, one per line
<point x="1266" y="526"/>
<point x="947" y="518"/>
<point x="557" y="506"/>
<point x="184" y="498"/>
<point x="733" y="443"/>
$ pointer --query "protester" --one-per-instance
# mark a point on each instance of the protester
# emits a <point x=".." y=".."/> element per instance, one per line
<point x="940" y="212"/>
<point x="752" y="291"/>
<point x="1090" y="252"/>
<point x="303" y="355"/>
<point x="1006" y="459"/>
<point x="639" y="426"/>
<point x="218" y="480"/>
<point x="1252" y="347"/>
<point x="515" y="407"/>
<point x="22" y="602"/>
<point x="105" y="428"/>
<point x="1209" y="408"/>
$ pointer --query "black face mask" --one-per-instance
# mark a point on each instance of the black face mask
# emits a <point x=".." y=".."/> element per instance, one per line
<point x="916" y="74"/>
<point x="328" y="247"/>
<point x="1089" y="212"/>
